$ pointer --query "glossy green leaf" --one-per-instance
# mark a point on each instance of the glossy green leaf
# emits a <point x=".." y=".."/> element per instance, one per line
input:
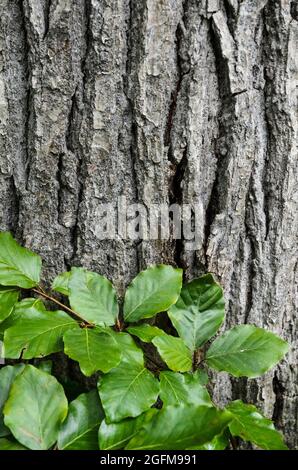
<point x="36" y="333"/>
<point x="180" y="427"/>
<point x="250" y="425"/>
<point x="35" y="409"/>
<point x="115" y="436"/>
<point x="179" y="389"/>
<point x="129" y="389"/>
<point x="130" y="352"/>
<point x="173" y="351"/>
<point x="246" y="350"/>
<point x="8" y="298"/>
<point x="219" y="442"/>
<point x="18" y="266"/>
<point x="93" y="297"/>
<point x="80" y="429"/>
<point x="199" y="311"/>
<point x="10" y="444"/>
<point x="61" y="283"/>
<point x="152" y="291"/>
<point x="7" y="376"/>
<point x="93" y="349"/>
<point x="145" y="332"/>
<point x="21" y="310"/>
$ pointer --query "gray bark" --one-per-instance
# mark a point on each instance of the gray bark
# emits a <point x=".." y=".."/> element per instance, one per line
<point x="161" y="100"/>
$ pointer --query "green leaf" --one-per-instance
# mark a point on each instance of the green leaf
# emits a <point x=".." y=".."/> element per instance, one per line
<point x="21" y="310"/>
<point x="201" y="376"/>
<point x="93" y="349"/>
<point x="180" y="427"/>
<point x="145" y="332"/>
<point x="130" y="352"/>
<point x="18" y="266"/>
<point x="179" y="389"/>
<point x="80" y="429"/>
<point x="173" y="351"/>
<point x="8" y="298"/>
<point x="151" y="292"/>
<point x="61" y="283"/>
<point x="7" y="376"/>
<point x="246" y="350"/>
<point x="10" y="444"/>
<point x="129" y="389"/>
<point x="36" y="333"/>
<point x="219" y="442"/>
<point x="250" y="425"/>
<point x="199" y="311"/>
<point x="115" y="436"/>
<point x="93" y="297"/>
<point x="35" y="409"/>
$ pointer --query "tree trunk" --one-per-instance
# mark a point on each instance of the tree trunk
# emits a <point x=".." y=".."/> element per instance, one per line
<point x="161" y="101"/>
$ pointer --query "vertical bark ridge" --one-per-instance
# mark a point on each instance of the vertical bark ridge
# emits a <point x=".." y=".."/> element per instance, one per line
<point x="105" y="137"/>
<point x="280" y="57"/>
<point x="195" y="124"/>
<point x="53" y="51"/>
<point x="153" y="77"/>
<point x="73" y="141"/>
<point x="13" y="97"/>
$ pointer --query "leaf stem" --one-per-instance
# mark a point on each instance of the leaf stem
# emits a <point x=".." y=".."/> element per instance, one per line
<point x="42" y="293"/>
<point x="119" y="325"/>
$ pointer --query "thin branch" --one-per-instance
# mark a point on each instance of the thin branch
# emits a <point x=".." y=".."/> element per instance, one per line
<point x="42" y="289"/>
<point x="56" y="301"/>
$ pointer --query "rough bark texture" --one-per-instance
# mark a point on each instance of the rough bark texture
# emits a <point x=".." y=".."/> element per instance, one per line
<point x="161" y="100"/>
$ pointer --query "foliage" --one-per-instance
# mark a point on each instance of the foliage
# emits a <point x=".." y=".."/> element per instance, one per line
<point x="152" y="382"/>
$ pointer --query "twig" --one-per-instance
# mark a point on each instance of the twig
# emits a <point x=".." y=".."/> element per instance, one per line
<point x="56" y="301"/>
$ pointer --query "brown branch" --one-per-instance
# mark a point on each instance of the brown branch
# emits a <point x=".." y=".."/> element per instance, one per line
<point x="40" y="292"/>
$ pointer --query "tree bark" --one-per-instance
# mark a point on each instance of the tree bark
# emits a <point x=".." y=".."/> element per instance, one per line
<point x="186" y="101"/>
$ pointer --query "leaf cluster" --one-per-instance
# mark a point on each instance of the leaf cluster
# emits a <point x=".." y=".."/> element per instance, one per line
<point x="152" y="390"/>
